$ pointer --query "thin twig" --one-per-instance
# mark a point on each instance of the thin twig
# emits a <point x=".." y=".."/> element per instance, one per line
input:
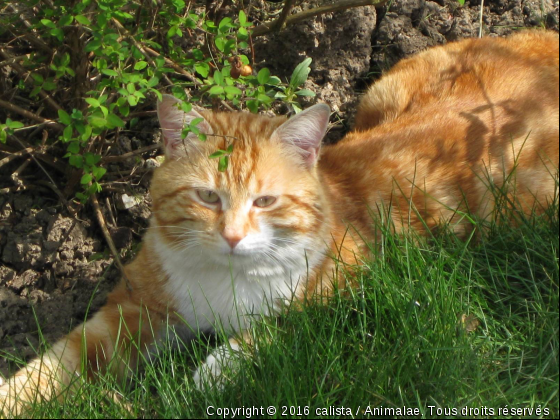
<point x="30" y="115"/>
<point x="340" y="5"/>
<point x="281" y="22"/>
<point x="128" y="155"/>
<point x="173" y="65"/>
<point x="480" y="20"/>
<point x="13" y="60"/>
<point x="15" y="155"/>
<point x="107" y="235"/>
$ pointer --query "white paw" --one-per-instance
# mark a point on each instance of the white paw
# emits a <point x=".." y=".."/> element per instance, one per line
<point x="218" y="367"/>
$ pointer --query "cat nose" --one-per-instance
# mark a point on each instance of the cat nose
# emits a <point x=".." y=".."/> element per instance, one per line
<point x="232" y="238"/>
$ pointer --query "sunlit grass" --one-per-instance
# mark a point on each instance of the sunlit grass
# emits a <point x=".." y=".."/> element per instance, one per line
<point x="437" y="326"/>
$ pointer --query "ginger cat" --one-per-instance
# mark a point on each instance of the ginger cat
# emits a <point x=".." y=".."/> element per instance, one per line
<point x="225" y="247"/>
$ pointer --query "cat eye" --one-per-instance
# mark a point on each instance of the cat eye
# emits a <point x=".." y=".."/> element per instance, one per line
<point x="265" y="201"/>
<point x="208" y="196"/>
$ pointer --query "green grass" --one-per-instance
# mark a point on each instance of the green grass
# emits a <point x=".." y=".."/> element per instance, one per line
<point x="397" y="341"/>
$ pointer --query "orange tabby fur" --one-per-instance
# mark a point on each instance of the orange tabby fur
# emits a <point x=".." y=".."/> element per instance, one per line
<point x="428" y="136"/>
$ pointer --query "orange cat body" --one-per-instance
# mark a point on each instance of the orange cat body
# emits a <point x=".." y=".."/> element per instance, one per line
<point x="224" y="247"/>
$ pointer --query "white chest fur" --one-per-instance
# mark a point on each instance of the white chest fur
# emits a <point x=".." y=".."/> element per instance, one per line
<point x="208" y="292"/>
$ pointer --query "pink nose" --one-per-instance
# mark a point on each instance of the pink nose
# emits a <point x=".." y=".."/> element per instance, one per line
<point x="232" y="239"/>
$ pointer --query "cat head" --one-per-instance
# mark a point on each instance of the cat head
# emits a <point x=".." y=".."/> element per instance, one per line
<point x="266" y="205"/>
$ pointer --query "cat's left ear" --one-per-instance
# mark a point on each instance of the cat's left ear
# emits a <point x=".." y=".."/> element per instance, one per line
<point x="172" y="120"/>
<point x="306" y="131"/>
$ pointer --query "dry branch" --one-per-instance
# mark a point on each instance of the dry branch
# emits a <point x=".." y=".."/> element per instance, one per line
<point x="30" y="115"/>
<point x="107" y="235"/>
<point x="13" y="60"/>
<point x="299" y="17"/>
<point x="128" y="155"/>
<point x="15" y="155"/>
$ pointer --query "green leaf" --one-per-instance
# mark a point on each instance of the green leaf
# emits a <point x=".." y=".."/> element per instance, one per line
<point x="92" y="159"/>
<point x="124" y="110"/>
<point x="216" y="90"/>
<point x="220" y="42"/>
<point x="49" y="85"/>
<point x="232" y="90"/>
<point x="14" y="124"/>
<point x="305" y="92"/>
<point x="76" y="160"/>
<point x="77" y="114"/>
<point x="253" y="106"/>
<point x="93" y="102"/>
<point x="299" y="76"/>
<point x="98" y="172"/>
<point x="93" y="45"/>
<point x="132" y="100"/>
<point x="98" y="122"/>
<point x="131" y="88"/>
<point x="229" y="46"/>
<point x="195" y="122"/>
<point x="218" y="77"/>
<point x="83" y="20"/>
<point x="274" y="80"/>
<point x="38" y="78"/>
<point x="242" y="17"/>
<point x="3" y="136"/>
<point x="35" y="91"/>
<point x="67" y="133"/>
<point x="217" y="154"/>
<point x="48" y="23"/>
<point x="66" y="20"/>
<point x="172" y="31"/>
<point x="140" y="65"/>
<point x="65" y="60"/>
<point x="109" y="72"/>
<point x="64" y="117"/>
<point x="225" y="24"/>
<point x="73" y="147"/>
<point x="242" y="34"/>
<point x="263" y="76"/>
<point x="223" y="163"/>
<point x="86" y="179"/>
<point x="86" y="133"/>
<point x="115" y="120"/>
<point x="202" y="68"/>
<point x="57" y="33"/>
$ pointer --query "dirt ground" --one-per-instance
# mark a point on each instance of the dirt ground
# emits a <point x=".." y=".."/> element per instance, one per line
<point x="55" y="269"/>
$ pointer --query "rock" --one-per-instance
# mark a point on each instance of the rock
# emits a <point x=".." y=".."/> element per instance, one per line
<point x="6" y="275"/>
<point x="126" y="202"/>
<point x="29" y="278"/>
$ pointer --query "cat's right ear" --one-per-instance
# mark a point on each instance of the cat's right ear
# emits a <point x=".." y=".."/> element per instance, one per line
<point x="173" y="120"/>
<point x="305" y="131"/>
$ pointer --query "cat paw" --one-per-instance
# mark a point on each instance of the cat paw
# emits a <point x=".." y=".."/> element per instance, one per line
<point x="218" y="368"/>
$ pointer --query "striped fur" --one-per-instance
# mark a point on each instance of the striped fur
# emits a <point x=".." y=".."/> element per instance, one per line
<point x="427" y="136"/>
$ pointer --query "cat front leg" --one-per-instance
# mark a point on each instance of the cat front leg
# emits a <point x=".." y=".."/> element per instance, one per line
<point x="222" y="364"/>
<point x="109" y="341"/>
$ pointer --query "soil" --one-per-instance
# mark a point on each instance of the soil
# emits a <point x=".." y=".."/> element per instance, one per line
<point x="55" y="268"/>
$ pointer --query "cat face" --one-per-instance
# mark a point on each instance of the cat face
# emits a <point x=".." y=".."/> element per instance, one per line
<point x="264" y="209"/>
